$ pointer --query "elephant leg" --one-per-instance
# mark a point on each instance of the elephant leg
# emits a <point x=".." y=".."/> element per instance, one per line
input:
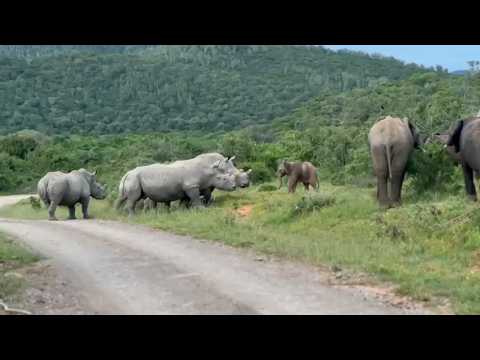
<point x="292" y="184"/>
<point x="396" y="187"/>
<point x="51" y="211"/>
<point x="382" y="190"/>
<point x="71" y="212"/>
<point x="469" y="183"/>
<point x="85" y="203"/>
<point x="306" y="186"/>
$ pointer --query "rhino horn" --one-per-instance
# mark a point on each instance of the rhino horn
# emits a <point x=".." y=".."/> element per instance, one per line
<point x="232" y="158"/>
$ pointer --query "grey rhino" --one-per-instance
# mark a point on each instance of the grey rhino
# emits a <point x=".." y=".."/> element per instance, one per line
<point x="391" y="141"/>
<point x="462" y="143"/>
<point x="68" y="189"/>
<point x="175" y="181"/>
<point x="298" y="172"/>
<point x="242" y="180"/>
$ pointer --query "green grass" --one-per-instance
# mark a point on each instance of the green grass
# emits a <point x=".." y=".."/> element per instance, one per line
<point x="430" y="248"/>
<point x="12" y="256"/>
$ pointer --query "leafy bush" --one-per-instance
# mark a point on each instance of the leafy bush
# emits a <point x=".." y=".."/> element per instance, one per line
<point x="266" y="187"/>
<point x="260" y="172"/>
<point x="432" y="170"/>
<point x="312" y="202"/>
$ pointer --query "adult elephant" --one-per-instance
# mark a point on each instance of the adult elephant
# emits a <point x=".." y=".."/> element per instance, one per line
<point x="391" y="141"/>
<point x="462" y="142"/>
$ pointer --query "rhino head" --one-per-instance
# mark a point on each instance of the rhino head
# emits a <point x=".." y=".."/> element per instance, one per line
<point x="242" y="178"/>
<point x="97" y="191"/>
<point x="222" y="178"/>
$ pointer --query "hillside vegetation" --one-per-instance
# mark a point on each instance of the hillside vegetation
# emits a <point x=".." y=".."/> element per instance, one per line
<point x="101" y="90"/>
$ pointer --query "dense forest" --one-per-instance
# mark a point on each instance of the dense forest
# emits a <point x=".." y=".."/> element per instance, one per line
<point x="261" y="104"/>
<point x="121" y="89"/>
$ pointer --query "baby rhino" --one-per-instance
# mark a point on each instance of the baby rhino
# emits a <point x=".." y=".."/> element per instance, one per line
<point x="61" y="189"/>
<point x="298" y="172"/>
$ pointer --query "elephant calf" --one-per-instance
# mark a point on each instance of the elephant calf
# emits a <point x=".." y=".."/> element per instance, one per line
<point x="391" y="141"/>
<point x="298" y="172"/>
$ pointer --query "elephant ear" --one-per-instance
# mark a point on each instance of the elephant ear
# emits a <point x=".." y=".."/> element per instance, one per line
<point x="415" y="135"/>
<point x="454" y="139"/>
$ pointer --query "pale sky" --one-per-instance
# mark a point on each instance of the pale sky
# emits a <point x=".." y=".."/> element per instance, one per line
<point x="452" y="57"/>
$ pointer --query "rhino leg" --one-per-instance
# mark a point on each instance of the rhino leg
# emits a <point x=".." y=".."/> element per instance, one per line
<point x="71" y="211"/>
<point x="51" y="211"/>
<point x="194" y="195"/>
<point x="167" y="205"/>
<point x="85" y="203"/>
<point x="131" y="206"/>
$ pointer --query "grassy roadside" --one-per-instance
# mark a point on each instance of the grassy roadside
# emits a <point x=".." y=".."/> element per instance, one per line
<point x="12" y="257"/>
<point x="430" y="248"/>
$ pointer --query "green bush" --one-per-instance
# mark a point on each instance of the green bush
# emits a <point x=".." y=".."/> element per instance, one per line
<point x="260" y="172"/>
<point x="432" y="170"/>
<point x="312" y="202"/>
<point x="267" y="187"/>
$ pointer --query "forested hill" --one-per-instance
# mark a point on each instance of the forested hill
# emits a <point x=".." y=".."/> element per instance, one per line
<point x="431" y="100"/>
<point x="32" y="51"/>
<point x="119" y="89"/>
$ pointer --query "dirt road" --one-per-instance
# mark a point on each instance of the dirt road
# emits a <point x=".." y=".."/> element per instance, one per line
<point x="127" y="269"/>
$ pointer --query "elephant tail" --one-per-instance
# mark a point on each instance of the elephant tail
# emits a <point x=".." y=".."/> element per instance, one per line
<point x="389" y="160"/>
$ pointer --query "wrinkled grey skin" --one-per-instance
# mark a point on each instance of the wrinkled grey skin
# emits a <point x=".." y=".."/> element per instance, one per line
<point x="62" y="189"/>
<point x="391" y="141"/>
<point x="463" y="145"/>
<point x="242" y="180"/>
<point x="175" y="181"/>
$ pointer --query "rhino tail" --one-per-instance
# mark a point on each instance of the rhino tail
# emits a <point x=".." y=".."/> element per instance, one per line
<point x="42" y="192"/>
<point x="122" y="195"/>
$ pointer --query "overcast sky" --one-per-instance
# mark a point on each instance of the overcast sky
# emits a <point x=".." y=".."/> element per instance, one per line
<point x="452" y="57"/>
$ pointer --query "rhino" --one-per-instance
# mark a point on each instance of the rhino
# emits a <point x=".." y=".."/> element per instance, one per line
<point x="242" y="180"/>
<point x="68" y="189"/>
<point x="176" y="181"/>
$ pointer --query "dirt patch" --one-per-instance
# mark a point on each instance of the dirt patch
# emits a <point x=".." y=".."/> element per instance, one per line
<point x="46" y="292"/>
<point x="244" y="211"/>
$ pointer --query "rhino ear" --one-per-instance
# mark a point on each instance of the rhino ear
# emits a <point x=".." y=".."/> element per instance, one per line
<point x="249" y="171"/>
<point x="94" y="173"/>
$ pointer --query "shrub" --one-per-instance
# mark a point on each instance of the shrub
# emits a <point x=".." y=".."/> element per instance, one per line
<point x="432" y="170"/>
<point x="260" y="173"/>
<point x="35" y="202"/>
<point x="267" y="187"/>
<point x="312" y="202"/>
